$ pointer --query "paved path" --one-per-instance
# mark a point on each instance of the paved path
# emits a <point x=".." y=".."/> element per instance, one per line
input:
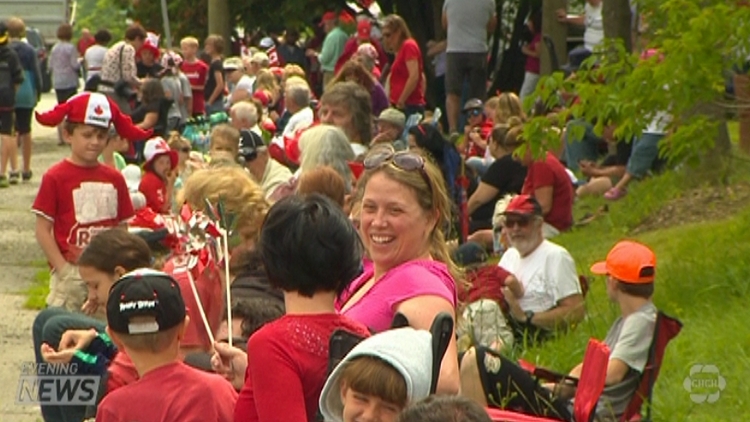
<point x="20" y="258"/>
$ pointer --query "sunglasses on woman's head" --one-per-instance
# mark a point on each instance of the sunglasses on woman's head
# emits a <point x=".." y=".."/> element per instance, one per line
<point x="403" y="160"/>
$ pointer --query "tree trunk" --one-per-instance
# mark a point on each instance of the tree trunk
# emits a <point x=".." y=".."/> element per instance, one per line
<point x="742" y="96"/>
<point x="715" y="164"/>
<point x="556" y="31"/>
<point x="617" y="18"/>
<point x="219" y="21"/>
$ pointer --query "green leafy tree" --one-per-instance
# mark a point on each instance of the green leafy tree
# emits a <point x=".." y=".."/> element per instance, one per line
<point x="98" y="14"/>
<point x="696" y="41"/>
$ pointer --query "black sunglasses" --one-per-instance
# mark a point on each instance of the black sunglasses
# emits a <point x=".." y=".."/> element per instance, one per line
<point x="522" y="222"/>
<point x="474" y="112"/>
<point x="403" y="160"/>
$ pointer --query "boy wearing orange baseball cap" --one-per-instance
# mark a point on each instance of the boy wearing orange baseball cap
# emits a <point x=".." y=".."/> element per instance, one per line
<point x="630" y="268"/>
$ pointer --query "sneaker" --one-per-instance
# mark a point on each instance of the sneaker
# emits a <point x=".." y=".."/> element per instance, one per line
<point x="13" y="177"/>
<point x="26" y="176"/>
<point x="4" y="182"/>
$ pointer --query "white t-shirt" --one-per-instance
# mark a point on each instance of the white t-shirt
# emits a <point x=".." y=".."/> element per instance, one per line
<point x="299" y="120"/>
<point x="594" y="33"/>
<point x="94" y="57"/>
<point x="548" y="275"/>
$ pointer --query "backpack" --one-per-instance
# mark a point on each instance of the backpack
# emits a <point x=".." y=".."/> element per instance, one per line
<point x="8" y="63"/>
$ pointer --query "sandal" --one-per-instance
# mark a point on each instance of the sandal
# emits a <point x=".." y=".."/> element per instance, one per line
<point x="614" y="194"/>
<point x="26" y="176"/>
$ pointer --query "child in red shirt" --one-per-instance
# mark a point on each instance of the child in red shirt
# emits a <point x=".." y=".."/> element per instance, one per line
<point x="157" y="184"/>
<point x="146" y="317"/>
<point x="311" y="251"/>
<point x="80" y="197"/>
<point x="196" y="72"/>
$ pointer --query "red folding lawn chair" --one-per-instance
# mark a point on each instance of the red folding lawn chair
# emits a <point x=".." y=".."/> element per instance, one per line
<point x="590" y="387"/>
<point x="665" y="330"/>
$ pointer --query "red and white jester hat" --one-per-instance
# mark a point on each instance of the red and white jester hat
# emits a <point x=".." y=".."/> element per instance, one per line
<point x="95" y="109"/>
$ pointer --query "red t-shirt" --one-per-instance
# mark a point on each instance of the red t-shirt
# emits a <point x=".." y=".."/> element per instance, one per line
<point x="155" y="190"/>
<point x="533" y="63"/>
<point x="550" y="172"/>
<point x="121" y="372"/>
<point x="399" y="74"/>
<point x="173" y="392"/>
<point x="288" y="361"/>
<point x="196" y="73"/>
<point x="81" y="202"/>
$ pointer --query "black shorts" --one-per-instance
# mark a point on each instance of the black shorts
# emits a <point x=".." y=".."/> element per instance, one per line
<point x="463" y="66"/>
<point x="6" y="122"/>
<point x="23" y="120"/>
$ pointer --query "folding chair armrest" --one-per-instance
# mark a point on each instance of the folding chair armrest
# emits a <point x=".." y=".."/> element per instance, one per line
<point x="547" y="374"/>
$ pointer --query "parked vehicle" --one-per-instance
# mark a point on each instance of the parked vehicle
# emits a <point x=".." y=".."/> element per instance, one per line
<point x="35" y="38"/>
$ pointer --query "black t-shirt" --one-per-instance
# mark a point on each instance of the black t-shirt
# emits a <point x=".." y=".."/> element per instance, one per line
<point x="621" y="155"/>
<point x="506" y="175"/>
<point x="214" y="67"/>
<point x="139" y="114"/>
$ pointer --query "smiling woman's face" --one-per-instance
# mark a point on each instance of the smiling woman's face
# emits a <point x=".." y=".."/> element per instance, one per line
<point x="395" y="229"/>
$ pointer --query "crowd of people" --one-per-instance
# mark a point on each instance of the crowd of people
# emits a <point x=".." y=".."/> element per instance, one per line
<point x="348" y="198"/>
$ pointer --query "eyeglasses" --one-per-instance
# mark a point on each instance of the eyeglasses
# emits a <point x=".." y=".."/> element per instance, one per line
<point x="474" y="112"/>
<point x="522" y="222"/>
<point x="403" y="160"/>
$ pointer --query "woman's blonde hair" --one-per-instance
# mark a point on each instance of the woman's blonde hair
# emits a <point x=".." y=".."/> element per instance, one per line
<point x="238" y="193"/>
<point x="177" y="142"/>
<point x="397" y="24"/>
<point x="509" y="105"/>
<point x="432" y="198"/>
<point x="292" y="70"/>
<point x="501" y="132"/>
<point x="266" y="81"/>
<point x="226" y="135"/>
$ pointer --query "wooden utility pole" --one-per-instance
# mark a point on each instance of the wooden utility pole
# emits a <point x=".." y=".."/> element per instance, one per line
<point x="219" y="22"/>
<point x="556" y="31"/>
<point x="618" y="18"/>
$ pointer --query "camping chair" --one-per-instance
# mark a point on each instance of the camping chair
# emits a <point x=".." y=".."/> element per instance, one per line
<point x="665" y="330"/>
<point x="591" y="385"/>
<point x="342" y="342"/>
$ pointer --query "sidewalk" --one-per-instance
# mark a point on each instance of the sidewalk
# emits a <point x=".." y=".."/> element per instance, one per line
<point x="20" y="258"/>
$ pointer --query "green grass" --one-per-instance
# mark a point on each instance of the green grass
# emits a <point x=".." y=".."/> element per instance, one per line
<point x="701" y="279"/>
<point x="36" y="295"/>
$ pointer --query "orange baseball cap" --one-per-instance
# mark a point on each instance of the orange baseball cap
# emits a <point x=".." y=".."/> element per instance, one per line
<point x="629" y="262"/>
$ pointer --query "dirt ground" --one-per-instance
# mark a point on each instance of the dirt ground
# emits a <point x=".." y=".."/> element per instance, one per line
<point x="704" y="204"/>
<point x="18" y="250"/>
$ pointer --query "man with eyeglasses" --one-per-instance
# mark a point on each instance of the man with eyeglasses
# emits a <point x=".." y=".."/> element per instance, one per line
<point x="552" y="298"/>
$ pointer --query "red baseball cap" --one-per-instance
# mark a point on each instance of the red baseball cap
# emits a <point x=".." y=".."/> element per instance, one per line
<point x="629" y="262"/>
<point x="328" y="16"/>
<point x="364" y="27"/>
<point x="523" y="205"/>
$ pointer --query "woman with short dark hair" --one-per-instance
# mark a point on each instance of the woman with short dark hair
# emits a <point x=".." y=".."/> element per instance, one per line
<point x="311" y="251"/>
<point x="119" y="65"/>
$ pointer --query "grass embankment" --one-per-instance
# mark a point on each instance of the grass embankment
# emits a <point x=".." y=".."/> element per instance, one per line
<point x="702" y="279"/>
